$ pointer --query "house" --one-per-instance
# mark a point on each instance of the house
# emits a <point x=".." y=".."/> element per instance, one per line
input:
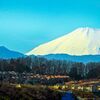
<point x="18" y="86"/>
<point x="80" y="87"/>
<point x="88" y="88"/>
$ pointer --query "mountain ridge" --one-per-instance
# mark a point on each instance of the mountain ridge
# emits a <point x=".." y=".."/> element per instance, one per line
<point x="5" y="53"/>
<point x="82" y="41"/>
<point x="83" y="59"/>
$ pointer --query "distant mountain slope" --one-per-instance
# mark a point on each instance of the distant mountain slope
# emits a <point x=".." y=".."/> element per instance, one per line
<point x="84" y="59"/>
<point x="82" y="41"/>
<point x="6" y="53"/>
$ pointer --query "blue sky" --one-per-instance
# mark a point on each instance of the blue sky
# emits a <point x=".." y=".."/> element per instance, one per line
<point x="25" y="24"/>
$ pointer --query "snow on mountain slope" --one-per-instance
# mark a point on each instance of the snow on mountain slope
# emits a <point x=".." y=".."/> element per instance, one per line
<point x="82" y="41"/>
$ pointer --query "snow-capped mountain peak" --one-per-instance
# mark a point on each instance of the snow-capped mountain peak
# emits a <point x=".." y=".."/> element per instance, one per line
<point x="82" y="41"/>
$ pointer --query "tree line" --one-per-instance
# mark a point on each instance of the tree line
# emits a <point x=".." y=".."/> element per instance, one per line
<point x="39" y="65"/>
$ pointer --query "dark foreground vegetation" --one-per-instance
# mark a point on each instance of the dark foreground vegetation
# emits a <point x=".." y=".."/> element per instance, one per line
<point x="87" y="95"/>
<point x="42" y="66"/>
<point x="35" y="70"/>
<point x="28" y="92"/>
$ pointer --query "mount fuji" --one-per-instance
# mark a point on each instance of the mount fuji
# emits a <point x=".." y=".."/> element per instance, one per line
<point x="82" y="41"/>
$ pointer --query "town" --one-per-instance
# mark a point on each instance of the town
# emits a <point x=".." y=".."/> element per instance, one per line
<point x="82" y="89"/>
